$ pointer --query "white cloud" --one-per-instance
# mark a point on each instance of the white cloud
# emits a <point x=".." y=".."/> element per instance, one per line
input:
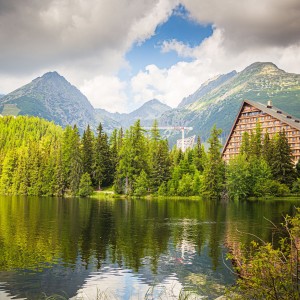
<point x="86" y="41"/>
<point x="210" y="58"/>
<point x="106" y="92"/>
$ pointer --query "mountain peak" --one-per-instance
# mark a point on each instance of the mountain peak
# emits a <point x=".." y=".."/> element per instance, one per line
<point x="52" y="75"/>
<point x="153" y="102"/>
<point x="262" y="67"/>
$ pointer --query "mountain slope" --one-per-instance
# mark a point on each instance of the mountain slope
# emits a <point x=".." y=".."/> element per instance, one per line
<point x="206" y="87"/>
<point x="53" y="98"/>
<point x="147" y="113"/>
<point x="258" y="82"/>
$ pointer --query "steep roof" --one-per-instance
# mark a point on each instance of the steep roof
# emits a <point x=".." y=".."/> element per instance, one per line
<point x="272" y="111"/>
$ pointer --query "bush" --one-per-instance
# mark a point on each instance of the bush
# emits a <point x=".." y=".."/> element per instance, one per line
<point x="266" y="272"/>
<point x="296" y="186"/>
<point x="270" y="187"/>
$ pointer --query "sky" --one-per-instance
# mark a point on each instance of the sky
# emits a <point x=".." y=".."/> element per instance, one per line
<point x="122" y="53"/>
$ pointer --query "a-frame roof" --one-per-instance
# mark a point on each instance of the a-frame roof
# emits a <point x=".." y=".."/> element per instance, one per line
<point x="268" y="109"/>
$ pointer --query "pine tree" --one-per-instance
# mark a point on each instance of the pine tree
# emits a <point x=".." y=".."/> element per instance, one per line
<point x="282" y="163"/>
<point x="268" y="149"/>
<point x="85" y="185"/>
<point x="87" y="150"/>
<point x="76" y="162"/>
<point x="141" y="184"/>
<point x="20" y="180"/>
<point x="245" y="145"/>
<point x="133" y="159"/>
<point x="255" y="141"/>
<point x="159" y="165"/>
<point x="71" y="159"/>
<point x="214" y="170"/>
<point x="8" y="167"/>
<point x="298" y="168"/>
<point x="198" y="156"/>
<point x="102" y="167"/>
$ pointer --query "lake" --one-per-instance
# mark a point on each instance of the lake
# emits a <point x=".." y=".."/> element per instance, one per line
<point x="125" y="249"/>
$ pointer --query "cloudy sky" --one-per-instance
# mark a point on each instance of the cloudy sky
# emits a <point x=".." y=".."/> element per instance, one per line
<point x="122" y="53"/>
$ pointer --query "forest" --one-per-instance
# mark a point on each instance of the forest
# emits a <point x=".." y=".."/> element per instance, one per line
<point x="38" y="157"/>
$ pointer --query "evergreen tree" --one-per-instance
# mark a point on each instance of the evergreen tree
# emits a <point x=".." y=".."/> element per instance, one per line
<point x="133" y="159"/>
<point x="268" y="149"/>
<point x="238" y="177"/>
<point x="255" y="141"/>
<point x="85" y="185"/>
<point x="298" y="168"/>
<point x="159" y="165"/>
<point x="114" y="151"/>
<point x="198" y="155"/>
<point x="102" y="167"/>
<point x="76" y="162"/>
<point x="20" y="181"/>
<point x="71" y="159"/>
<point x="8" y="167"/>
<point x="214" y="169"/>
<point x="282" y="164"/>
<point x="141" y="185"/>
<point x="245" y="145"/>
<point x="87" y="151"/>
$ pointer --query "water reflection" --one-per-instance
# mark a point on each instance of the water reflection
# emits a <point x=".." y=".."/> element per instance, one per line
<point x="73" y="247"/>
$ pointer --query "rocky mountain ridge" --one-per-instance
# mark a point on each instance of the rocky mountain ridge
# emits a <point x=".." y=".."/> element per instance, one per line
<point x="217" y="101"/>
<point x="53" y="98"/>
<point x="258" y="82"/>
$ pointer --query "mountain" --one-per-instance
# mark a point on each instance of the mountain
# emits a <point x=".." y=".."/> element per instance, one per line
<point x="53" y="98"/>
<point x="147" y="113"/>
<point x="1" y="96"/>
<point x="219" y="104"/>
<point x="206" y="87"/>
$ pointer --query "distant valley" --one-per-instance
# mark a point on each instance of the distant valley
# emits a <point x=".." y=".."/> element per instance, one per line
<point x="216" y="101"/>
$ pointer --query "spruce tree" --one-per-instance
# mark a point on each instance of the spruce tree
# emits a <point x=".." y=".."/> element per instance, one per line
<point x="298" y="168"/>
<point x="76" y="162"/>
<point x="133" y="159"/>
<point x="245" y="145"/>
<point x="85" y="186"/>
<point x="268" y="149"/>
<point x="198" y="155"/>
<point x="102" y="166"/>
<point x="214" y="169"/>
<point x="282" y="164"/>
<point x="255" y="141"/>
<point x="159" y="164"/>
<point x="87" y="151"/>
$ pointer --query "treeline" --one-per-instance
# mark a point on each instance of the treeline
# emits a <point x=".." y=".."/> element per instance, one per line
<point x="39" y="158"/>
<point x="263" y="167"/>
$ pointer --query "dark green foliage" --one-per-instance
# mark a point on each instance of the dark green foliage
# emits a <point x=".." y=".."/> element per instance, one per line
<point x="87" y="151"/>
<point x="102" y="166"/>
<point x="39" y="158"/>
<point x="281" y="163"/>
<point x="85" y="186"/>
<point x="245" y="147"/>
<point x="141" y="185"/>
<point x="214" y="169"/>
<point x="199" y="156"/>
<point x="133" y="159"/>
<point x="298" y="168"/>
<point x="71" y="159"/>
<point x="255" y="141"/>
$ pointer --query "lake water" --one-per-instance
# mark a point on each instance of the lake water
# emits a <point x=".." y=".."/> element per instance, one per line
<point x="125" y="249"/>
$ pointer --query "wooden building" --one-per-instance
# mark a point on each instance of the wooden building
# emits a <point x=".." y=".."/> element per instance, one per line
<point x="271" y="119"/>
